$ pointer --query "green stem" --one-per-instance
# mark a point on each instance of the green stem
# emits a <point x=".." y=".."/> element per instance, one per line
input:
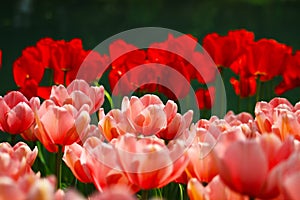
<point x="181" y="189"/>
<point x="144" y="195"/>
<point x="258" y="90"/>
<point x="107" y="95"/>
<point x="41" y="157"/>
<point x="109" y="99"/>
<point x="59" y="156"/>
<point x="13" y="139"/>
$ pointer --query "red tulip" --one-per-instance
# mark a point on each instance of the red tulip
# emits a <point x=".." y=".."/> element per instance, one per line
<point x="258" y="60"/>
<point x="224" y="50"/>
<point x="290" y="74"/>
<point x="205" y="97"/>
<point x="244" y="87"/>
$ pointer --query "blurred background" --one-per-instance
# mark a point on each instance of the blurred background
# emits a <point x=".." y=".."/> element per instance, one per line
<point x="24" y="22"/>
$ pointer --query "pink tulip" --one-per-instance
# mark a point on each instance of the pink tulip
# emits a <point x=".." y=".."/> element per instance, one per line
<point x="247" y="165"/>
<point x="103" y="165"/>
<point x="78" y="93"/>
<point x="114" y="192"/>
<point x="215" y="190"/>
<point x="148" y="162"/>
<point x="16" y="161"/>
<point x="148" y="114"/>
<point x="278" y="116"/>
<point x="29" y="186"/>
<point x="16" y="114"/>
<point x="287" y="174"/>
<point x="144" y="116"/>
<point x="60" y="125"/>
<point x="114" y="123"/>
<point x="202" y="164"/>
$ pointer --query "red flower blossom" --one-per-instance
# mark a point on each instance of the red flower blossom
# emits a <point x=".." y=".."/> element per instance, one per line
<point x="264" y="59"/>
<point x="291" y="77"/>
<point x="28" y="70"/>
<point x="244" y="87"/>
<point x="66" y="57"/>
<point x="0" y="58"/>
<point x="224" y="50"/>
<point x="205" y="97"/>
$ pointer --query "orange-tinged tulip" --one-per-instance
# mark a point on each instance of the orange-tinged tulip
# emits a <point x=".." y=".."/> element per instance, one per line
<point x="215" y="190"/>
<point x="60" y="125"/>
<point x="75" y="158"/>
<point x="278" y="116"/>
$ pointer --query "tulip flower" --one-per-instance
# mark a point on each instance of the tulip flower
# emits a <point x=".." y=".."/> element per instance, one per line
<point x="247" y="166"/>
<point x="16" y="161"/>
<point x="29" y="186"/>
<point x="215" y="190"/>
<point x="278" y="116"/>
<point x="60" y="125"/>
<point x="148" y="162"/>
<point x="102" y="162"/>
<point x="78" y="93"/>
<point x="16" y="114"/>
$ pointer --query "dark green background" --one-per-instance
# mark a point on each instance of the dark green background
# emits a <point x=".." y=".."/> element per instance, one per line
<point x="95" y="20"/>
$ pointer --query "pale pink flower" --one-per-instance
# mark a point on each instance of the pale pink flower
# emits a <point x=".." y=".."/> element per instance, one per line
<point x="16" y="114"/>
<point x="278" y="116"/>
<point x="16" y="161"/>
<point x="77" y="94"/>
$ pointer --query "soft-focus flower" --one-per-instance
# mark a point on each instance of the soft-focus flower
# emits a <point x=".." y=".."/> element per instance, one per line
<point x="278" y="116"/>
<point x="215" y="190"/>
<point x="288" y="176"/>
<point x="290" y="74"/>
<point x="148" y="162"/>
<point x="0" y="58"/>
<point x="247" y="166"/>
<point x="245" y="86"/>
<point x="205" y="97"/>
<point x="224" y="50"/>
<point x="60" y="125"/>
<point x="29" y="186"/>
<point x="16" y="161"/>
<point x="77" y="94"/>
<point x="16" y="114"/>
<point x="114" y="192"/>
<point x="102" y="163"/>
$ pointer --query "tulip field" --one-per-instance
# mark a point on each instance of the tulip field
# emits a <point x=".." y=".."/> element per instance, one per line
<point x="171" y="135"/>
